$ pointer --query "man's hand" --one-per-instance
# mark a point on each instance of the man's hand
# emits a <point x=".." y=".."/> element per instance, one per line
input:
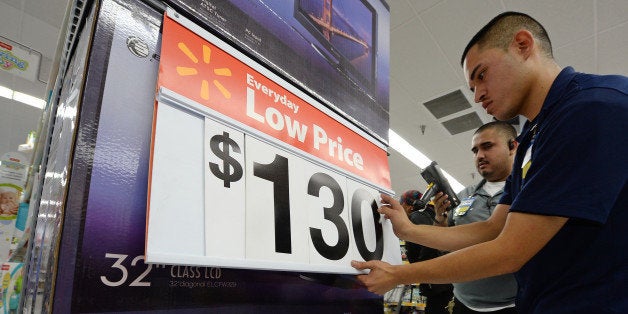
<point x="391" y="209"/>
<point x="380" y="278"/>
<point x="441" y="203"/>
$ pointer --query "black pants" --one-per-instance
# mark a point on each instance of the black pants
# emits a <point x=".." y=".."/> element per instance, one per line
<point x="460" y="308"/>
<point x="437" y="304"/>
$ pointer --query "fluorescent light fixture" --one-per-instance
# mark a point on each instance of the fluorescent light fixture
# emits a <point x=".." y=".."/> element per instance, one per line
<point x="410" y="152"/>
<point x="21" y="97"/>
<point x="415" y="156"/>
<point x="6" y="92"/>
<point x="455" y="185"/>
<point x="29" y="100"/>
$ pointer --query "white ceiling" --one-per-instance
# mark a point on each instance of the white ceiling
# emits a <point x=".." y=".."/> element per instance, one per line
<point x="34" y="24"/>
<point x="427" y="37"/>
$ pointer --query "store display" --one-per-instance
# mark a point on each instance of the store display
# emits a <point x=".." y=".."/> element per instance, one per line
<point x="240" y="147"/>
<point x="86" y="250"/>
<point x="404" y="298"/>
<point x="87" y="247"/>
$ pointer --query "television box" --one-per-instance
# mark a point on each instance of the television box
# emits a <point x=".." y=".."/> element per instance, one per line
<point x="337" y="51"/>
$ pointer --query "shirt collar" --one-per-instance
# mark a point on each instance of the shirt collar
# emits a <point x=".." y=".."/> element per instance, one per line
<point x="559" y="87"/>
<point x="557" y="90"/>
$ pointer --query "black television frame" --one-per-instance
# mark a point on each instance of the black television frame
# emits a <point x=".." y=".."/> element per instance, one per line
<point x="342" y="62"/>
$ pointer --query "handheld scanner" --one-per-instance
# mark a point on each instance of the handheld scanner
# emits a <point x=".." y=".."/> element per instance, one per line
<point x="437" y="182"/>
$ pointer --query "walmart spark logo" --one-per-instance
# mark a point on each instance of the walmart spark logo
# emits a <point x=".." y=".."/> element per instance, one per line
<point x="187" y="71"/>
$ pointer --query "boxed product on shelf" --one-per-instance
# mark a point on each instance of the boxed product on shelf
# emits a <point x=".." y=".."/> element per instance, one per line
<point x="11" y="287"/>
<point x="13" y="170"/>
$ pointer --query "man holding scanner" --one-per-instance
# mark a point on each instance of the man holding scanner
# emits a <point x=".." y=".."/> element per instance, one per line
<point x="561" y="225"/>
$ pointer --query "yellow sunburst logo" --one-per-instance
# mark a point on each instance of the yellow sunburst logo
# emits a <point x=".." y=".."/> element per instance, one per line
<point x="187" y="71"/>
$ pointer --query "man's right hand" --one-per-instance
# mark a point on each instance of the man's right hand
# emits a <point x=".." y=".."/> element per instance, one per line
<point x="441" y="203"/>
<point x="391" y="209"/>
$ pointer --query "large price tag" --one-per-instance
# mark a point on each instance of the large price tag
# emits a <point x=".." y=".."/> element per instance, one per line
<point x="250" y="172"/>
<point x="220" y="197"/>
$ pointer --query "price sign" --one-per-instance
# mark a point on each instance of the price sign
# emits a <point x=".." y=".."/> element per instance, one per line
<point x="260" y="206"/>
<point x="272" y="180"/>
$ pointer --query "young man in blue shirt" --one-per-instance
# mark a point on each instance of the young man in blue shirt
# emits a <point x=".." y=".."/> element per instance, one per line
<point x="563" y="220"/>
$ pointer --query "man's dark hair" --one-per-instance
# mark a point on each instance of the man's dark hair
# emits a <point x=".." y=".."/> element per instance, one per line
<point x="505" y="130"/>
<point x="499" y="32"/>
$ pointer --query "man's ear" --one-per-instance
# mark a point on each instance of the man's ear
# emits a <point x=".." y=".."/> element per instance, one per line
<point x="512" y="146"/>
<point x="523" y="43"/>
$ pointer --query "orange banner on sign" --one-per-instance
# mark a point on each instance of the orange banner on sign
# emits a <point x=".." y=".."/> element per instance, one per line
<point x="199" y="70"/>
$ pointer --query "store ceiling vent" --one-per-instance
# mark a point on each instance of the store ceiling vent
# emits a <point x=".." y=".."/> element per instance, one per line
<point x="448" y="104"/>
<point x="470" y="121"/>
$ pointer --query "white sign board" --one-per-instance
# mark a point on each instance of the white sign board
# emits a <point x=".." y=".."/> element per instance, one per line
<point x="220" y="197"/>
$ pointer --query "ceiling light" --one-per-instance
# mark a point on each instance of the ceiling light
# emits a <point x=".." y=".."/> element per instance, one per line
<point x="407" y="150"/>
<point x="415" y="156"/>
<point x="455" y="185"/>
<point x="21" y="97"/>
<point x="6" y="92"/>
<point x="29" y="100"/>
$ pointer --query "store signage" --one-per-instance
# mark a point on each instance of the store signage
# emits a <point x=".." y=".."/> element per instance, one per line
<point x="281" y="182"/>
<point x="19" y="61"/>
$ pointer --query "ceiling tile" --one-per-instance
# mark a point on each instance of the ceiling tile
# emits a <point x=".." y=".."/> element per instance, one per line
<point x="611" y="13"/>
<point x="406" y="113"/>
<point x="10" y="18"/>
<point x="7" y="79"/>
<point x="565" y="22"/>
<point x="51" y="12"/>
<point x="422" y="5"/>
<point x="400" y="12"/>
<point x="404" y="174"/>
<point x="453" y="23"/>
<point x="39" y="36"/>
<point x="579" y="54"/>
<point x="400" y="100"/>
<point x="613" y="51"/>
<point x="418" y="64"/>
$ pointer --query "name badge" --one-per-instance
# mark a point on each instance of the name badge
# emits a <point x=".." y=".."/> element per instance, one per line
<point x="527" y="162"/>
<point x="464" y="206"/>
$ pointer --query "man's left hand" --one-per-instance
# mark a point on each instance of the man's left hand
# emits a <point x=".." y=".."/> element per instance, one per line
<point x="380" y="279"/>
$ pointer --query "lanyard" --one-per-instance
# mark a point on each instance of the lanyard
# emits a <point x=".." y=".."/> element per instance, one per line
<point x="527" y="159"/>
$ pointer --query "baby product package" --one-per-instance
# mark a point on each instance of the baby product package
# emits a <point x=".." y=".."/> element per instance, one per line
<point x="13" y="172"/>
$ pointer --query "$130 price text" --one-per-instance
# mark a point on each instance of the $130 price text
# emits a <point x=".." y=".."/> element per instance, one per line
<point x="294" y="210"/>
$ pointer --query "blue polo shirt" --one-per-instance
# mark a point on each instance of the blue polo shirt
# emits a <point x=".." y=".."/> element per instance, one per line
<point x="578" y="169"/>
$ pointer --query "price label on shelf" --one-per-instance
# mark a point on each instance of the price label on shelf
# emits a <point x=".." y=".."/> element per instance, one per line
<point x="252" y="173"/>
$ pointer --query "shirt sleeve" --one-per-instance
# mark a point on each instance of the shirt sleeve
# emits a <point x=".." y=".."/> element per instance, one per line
<point x="578" y="163"/>
<point x="507" y="195"/>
